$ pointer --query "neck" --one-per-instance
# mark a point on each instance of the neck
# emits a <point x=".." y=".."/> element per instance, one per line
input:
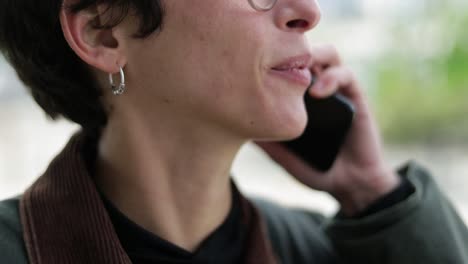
<point x="172" y="182"/>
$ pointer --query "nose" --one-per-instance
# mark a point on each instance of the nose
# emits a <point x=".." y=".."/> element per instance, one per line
<point x="297" y="15"/>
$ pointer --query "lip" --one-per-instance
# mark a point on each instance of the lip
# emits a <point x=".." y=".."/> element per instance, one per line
<point x="295" y="69"/>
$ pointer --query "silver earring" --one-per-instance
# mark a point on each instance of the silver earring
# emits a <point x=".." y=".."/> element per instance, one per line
<point x="118" y="89"/>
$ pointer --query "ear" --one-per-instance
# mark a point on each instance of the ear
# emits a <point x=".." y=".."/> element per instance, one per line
<point x="98" y="47"/>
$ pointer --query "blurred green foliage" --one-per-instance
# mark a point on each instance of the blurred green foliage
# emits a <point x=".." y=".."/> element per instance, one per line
<point x="422" y="77"/>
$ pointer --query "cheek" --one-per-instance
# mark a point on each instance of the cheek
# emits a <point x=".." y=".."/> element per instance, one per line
<point x="215" y="45"/>
<point x="240" y="92"/>
<point x="213" y="70"/>
<point x="223" y="62"/>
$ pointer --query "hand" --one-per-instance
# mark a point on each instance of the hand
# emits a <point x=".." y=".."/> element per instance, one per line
<point x="359" y="175"/>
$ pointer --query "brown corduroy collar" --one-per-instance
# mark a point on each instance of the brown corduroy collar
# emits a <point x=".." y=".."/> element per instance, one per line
<point x="64" y="219"/>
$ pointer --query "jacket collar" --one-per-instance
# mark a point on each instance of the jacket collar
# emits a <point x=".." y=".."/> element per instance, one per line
<point x="65" y="221"/>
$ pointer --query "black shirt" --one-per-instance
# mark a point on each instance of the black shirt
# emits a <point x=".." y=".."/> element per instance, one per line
<point x="224" y="245"/>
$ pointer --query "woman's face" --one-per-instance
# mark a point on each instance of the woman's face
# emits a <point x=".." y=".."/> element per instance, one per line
<point x="226" y="65"/>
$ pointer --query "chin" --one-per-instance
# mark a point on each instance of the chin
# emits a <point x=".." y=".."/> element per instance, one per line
<point x="282" y="118"/>
<point x="291" y="133"/>
<point x="283" y="130"/>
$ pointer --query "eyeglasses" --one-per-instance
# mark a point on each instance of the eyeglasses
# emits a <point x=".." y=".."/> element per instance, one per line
<point x="262" y="5"/>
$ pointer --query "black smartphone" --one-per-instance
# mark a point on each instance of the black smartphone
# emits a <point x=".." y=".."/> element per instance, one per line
<point x="329" y="121"/>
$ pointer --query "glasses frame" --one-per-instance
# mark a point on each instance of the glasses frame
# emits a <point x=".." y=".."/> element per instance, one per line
<point x="262" y="9"/>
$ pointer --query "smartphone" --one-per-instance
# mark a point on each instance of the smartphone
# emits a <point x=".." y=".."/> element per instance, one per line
<point x="329" y="121"/>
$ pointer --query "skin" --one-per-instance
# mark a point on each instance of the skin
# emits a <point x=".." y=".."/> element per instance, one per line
<point x="200" y="89"/>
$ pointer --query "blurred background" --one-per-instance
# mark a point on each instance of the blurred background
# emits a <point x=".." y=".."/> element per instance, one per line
<point x="411" y="56"/>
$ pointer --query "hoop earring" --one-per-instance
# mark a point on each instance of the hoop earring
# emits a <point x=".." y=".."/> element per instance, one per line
<point x="118" y="89"/>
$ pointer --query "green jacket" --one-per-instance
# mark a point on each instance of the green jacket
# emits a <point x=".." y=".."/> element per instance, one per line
<point x="422" y="229"/>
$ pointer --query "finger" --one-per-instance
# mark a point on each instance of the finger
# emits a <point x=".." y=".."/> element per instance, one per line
<point x="336" y="79"/>
<point x="324" y="56"/>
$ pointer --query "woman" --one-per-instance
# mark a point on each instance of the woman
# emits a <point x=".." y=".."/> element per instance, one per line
<point x="166" y="93"/>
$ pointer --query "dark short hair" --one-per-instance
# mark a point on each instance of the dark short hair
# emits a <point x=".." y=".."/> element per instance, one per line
<point x="32" y="41"/>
